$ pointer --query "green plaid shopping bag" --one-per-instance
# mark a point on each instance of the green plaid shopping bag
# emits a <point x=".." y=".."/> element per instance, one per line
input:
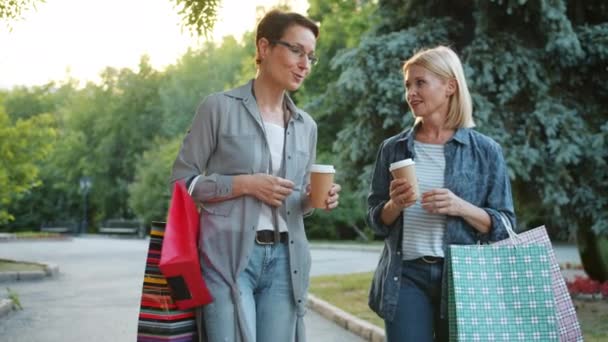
<point x="500" y="293"/>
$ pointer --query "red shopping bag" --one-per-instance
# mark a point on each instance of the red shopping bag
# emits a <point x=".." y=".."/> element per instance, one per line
<point x="179" y="261"/>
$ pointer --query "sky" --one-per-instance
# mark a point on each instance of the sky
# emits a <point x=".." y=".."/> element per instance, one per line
<point x="79" y="38"/>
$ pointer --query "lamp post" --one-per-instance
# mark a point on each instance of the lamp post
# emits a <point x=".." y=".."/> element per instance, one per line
<point x="85" y="186"/>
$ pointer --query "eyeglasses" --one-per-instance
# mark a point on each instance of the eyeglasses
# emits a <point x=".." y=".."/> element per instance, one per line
<point x="298" y="51"/>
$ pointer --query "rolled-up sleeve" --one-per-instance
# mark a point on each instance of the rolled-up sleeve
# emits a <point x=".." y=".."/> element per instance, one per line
<point x="379" y="194"/>
<point x="499" y="199"/>
<point x="195" y="151"/>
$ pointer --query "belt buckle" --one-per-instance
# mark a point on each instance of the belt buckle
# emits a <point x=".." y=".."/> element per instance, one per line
<point x="262" y="242"/>
<point x="429" y="261"/>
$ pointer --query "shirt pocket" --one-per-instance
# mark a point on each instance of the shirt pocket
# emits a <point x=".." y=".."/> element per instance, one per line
<point x="302" y="159"/>
<point x="235" y="153"/>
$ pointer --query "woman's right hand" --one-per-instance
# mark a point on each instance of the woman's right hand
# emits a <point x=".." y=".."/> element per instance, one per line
<point x="270" y="189"/>
<point x="402" y="193"/>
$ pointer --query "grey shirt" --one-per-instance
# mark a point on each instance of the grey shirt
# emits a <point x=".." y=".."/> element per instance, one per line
<point x="226" y="139"/>
<point x="475" y="170"/>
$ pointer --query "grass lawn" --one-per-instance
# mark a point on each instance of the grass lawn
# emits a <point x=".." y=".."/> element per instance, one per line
<point x="349" y="292"/>
<point x="37" y="235"/>
<point x="13" y="266"/>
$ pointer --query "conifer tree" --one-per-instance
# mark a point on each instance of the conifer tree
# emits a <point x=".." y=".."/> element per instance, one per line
<point x="537" y="72"/>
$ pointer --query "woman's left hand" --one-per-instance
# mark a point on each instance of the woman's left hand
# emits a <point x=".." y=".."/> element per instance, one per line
<point x="442" y="201"/>
<point x="332" y="201"/>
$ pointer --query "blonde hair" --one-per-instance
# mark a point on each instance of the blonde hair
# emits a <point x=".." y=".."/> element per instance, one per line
<point x="443" y="62"/>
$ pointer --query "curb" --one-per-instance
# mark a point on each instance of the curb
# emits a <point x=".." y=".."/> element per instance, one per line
<point x="357" y="326"/>
<point x="50" y="270"/>
<point x="6" y="306"/>
<point x="361" y="248"/>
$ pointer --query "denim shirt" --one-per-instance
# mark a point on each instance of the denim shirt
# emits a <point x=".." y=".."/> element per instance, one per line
<point x="475" y="171"/>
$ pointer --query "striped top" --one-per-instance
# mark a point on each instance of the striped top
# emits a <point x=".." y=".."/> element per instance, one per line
<point x="423" y="232"/>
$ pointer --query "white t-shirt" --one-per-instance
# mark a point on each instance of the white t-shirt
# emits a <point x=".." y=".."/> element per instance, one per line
<point x="275" y="135"/>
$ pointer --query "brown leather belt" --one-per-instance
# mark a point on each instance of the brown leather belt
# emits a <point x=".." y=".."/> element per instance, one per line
<point x="427" y="259"/>
<point x="266" y="237"/>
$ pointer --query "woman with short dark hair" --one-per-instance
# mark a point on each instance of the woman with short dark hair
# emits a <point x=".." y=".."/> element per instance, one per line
<point x="247" y="160"/>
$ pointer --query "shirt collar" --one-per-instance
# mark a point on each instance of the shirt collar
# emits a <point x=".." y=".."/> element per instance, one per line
<point x="460" y="136"/>
<point x="245" y="94"/>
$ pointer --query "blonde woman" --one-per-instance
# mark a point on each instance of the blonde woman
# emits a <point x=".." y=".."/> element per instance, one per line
<point x="464" y="191"/>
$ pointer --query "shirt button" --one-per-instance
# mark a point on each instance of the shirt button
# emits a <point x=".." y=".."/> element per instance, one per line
<point x="288" y="157"/>
<point x="295" y="272"/>
<point x="396" y="278"/>
<point x="288" y="212"/>
<point x="291" y="241"/>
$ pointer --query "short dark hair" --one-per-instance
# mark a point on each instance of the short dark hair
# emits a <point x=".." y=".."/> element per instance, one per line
<point x="274" y="24"/>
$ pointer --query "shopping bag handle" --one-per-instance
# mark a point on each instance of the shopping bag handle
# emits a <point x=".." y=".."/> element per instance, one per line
<point x="509" y="228"/>
<point x="192" y="185"/>
<point x="191" y="190"/>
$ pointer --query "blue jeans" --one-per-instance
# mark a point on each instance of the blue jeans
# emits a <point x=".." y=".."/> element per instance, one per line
<point x="417" y="317"/>
<point x="267" y="296"/>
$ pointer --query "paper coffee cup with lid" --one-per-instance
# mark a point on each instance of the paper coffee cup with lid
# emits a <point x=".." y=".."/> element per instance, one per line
<point x="321" y="180"/>
<point x="405" y="168"/>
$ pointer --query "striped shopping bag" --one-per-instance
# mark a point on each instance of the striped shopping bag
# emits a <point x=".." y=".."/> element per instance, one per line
<point x="159" y="318"/>
<point x="500" y="293"/>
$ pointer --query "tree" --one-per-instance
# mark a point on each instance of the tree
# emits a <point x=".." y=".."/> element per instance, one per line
<point x="198" y="73"/>
<point x="149" y="193"/>
<point x="11" y="10"/>
<point x="343" y="23"/>
<point x="197" y="15"/>
<point x="55" y="197"/>
<point x="120" y="119"/>
<point x="536" y="70"/>
<point x="22" y="145"/>
<point x="23" y="102"/>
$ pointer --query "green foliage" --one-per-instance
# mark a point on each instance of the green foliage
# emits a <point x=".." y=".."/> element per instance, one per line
<point x="150" y="192"/>
<point x="14" y="296"/>
<point x="345" y="222"/>
<point x="104" y="129"/>
<point x="537" y="73"/>
<point x="23" y="102"/>
<point x="51" y="199"/>
<point x="197" y="74"/>
<point x="11" y="10"/>
<point x="368" y="96"/>
<point x="343" y="24"/>
<point x="198" y="15"/>
<point x="22" y="145"/>
<point x="593" y="250"/>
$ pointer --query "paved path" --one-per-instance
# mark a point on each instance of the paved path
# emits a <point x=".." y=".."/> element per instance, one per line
<point x="96" y="295"/>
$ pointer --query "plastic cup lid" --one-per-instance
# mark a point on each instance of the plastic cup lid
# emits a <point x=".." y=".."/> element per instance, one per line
<point x="400" y="164"/>
<point x="320" y="168"/>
